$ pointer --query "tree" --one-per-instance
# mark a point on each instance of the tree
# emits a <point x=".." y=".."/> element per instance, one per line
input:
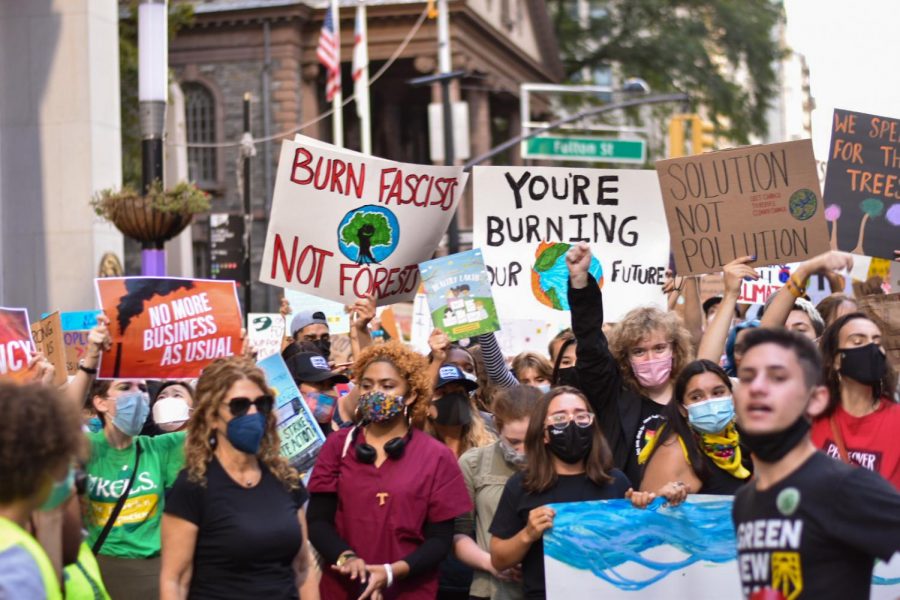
<point x="720" y="52"/>
<point x="365" y="231"/>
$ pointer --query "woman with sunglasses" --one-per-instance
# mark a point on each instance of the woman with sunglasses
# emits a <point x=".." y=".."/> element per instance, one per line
<point x="384" y="495"/>
<point x="567" y="460"/>
<point x="234" y="524"/>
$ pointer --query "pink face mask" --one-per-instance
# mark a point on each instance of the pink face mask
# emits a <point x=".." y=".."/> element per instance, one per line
<point x="652" y="373"/>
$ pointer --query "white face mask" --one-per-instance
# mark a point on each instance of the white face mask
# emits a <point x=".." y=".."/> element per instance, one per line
<point x="171" y="413"/>
<point x="544" y="387"/>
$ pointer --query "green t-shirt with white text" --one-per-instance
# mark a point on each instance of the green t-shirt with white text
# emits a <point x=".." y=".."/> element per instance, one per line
<point x="137" y="529"/>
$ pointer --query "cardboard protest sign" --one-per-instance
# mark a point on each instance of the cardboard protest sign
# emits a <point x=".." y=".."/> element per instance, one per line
<point x="862" y="184"/>
<point x="526" y="218"/>
<point x="301" y="437"/>
<point x="48" y="338"/>
<point x="609" y="549"/>
<point x="167" y="328"/>
<point x="760" y="201"/>
<point x="16" y="345"/>
<point x="76" y="344"/>
<point x="344" y="225"/>
<point x="884" y="310"/>
<point x="337" y="317"/>
<point x="265" y="333"/>
<point x="459" y="295"/>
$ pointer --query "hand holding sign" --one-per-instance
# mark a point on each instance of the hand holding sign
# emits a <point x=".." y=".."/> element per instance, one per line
<point x="736" y="271"/>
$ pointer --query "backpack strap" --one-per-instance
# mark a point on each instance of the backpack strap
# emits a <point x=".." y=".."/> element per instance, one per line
<point x="120" y="503"/>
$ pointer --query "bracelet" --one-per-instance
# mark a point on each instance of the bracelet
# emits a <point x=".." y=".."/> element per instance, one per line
<point x="795" y="288"/>
<point x="87" y="370"/>
<point x="389" y="571"/>
<point x="345" y="557"/>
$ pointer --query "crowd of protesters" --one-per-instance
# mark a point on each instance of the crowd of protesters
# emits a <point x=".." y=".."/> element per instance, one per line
<point x="437" y="471"/>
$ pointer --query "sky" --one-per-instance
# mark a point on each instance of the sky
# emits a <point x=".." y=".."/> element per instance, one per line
<point x="852" y="48"/>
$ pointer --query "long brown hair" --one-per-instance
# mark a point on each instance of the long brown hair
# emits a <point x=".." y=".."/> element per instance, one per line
<point x="641" y="322"/>
<point x="212" y="388"/>
<point x="540" y="475"/>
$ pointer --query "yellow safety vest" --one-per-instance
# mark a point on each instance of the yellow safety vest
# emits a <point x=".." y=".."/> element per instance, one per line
<point x="82" y="578"/>
<point x="13" y="535"/>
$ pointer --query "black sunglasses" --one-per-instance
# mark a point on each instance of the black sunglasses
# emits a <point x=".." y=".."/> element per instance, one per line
<point x="239" y="406"/>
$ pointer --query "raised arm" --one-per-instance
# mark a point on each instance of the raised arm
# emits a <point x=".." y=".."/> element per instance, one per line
<point x="361" y="314"/>
<point x="712" y="344"/>
<point x="693" y="310"/>
<point x="778" y="310"/>
<point x="98" y="341"/>
<point x="494" y="364"/>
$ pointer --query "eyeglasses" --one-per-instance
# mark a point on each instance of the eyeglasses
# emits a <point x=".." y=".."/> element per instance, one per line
<point x="562" y="420"/>
<point x="657" y="350"/>
<point x="239" y="406"/>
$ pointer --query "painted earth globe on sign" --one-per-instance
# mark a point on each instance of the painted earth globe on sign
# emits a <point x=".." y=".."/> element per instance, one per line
<point x="550" y="275"/>
<point x="803" y="204"/>
<point x="368" y="234"/>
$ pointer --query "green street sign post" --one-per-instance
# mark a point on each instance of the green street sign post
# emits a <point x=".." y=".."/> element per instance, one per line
<point x="590" y="149"/>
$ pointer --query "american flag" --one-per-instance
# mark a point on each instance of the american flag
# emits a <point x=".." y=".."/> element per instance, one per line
<point x="329" y="55"/>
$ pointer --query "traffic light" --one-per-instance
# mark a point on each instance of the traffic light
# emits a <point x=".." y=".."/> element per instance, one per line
<point x="676" y="136"/>
<point x="702" y="137"/>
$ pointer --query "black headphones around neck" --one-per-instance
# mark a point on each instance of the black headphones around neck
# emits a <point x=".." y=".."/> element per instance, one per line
<point x="367" y="454"/>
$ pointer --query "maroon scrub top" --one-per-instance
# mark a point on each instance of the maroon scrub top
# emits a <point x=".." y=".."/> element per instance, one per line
<point x="382" y="511"/>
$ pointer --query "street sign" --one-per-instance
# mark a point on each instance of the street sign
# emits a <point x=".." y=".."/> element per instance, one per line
<point x="591" y="149"/>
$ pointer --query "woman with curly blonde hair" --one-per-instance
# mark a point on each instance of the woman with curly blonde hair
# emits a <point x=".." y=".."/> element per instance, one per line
<point x="384" y="494"/>
<point x="234" y="525"/>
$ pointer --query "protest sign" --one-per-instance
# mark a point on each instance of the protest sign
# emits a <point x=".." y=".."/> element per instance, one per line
<point x="265" y="333"/>
<point x="344" y="225"/>
<point x="167" y="328"/>
<point x="609" y="549"/>
<point x="48" y="338"/>
<point x="862" y="183"/>
<point x="301" y="437"/>
<point x="78" y="321"/>
<point x="75" y="343"/>
<point x="760" y="201"/>
<point x="335" y="313"/>
<point x="16" y="345"/>
<point x="422" y="325"/>
<point x="526" y="218"/>
<point x="884" y="310"/>
<point x="771" y="279"/>
<point x="459" y="295"/>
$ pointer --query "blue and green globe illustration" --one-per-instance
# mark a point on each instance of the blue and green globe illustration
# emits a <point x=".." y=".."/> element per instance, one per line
<point x="802" y="204"/>
<point x="368" y="234"/>
<point x="550" y="275"/>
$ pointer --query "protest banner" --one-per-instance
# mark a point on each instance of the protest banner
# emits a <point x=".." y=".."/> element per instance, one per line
<point x="862" y="184"/>
<point x="335" y="312"/>
<point x="167" y="328"/>
<point x="344" y="225"/>
<point x="301" y="437"/>
<point x="75" y="343"/>
<point x="760" y="201"/>
<point x="884" y="310"/>
<point x="459" y="295"/>
<point x="48" y="338"/>
<point x="609" y="549"/>
<point x="526" y="218"/>
<point x="83" y="320"/>
<point x="265" y="333"/>
<point x="16" y="344"/>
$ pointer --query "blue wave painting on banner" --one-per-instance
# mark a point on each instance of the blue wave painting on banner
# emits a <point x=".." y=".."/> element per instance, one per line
<point x="609" y="549"/>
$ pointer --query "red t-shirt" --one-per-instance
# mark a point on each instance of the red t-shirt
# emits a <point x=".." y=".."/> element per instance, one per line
<point x="425" y="484"/>
<point x="871" y="441"/>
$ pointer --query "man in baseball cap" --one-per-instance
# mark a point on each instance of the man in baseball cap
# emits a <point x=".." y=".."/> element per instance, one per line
<point x="312" y="326"/>
<point x="317" y="383"/>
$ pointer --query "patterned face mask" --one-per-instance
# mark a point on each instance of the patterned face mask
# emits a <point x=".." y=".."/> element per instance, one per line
<point x="378" y="407"/>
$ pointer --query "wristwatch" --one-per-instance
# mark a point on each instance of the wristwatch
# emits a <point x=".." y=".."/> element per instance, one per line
<point x="87" y="370"/>
<point x="347" y="555"/>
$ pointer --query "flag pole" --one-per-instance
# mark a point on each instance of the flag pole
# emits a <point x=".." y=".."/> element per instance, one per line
<point x="361" y="79"/>
<point x="337" y="116"/>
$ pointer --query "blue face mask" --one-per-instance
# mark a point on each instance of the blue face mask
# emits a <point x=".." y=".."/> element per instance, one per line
<point x="544" y="387"/>
<point x="246" y="432"/>
<point x="131" y="412"/>
<point x="711" y="416"/>
<point x="62" y="489"/>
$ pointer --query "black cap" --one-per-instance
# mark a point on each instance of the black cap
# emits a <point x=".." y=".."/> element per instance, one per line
<point x="452" y="374"/>
<point x="310" y="367"/>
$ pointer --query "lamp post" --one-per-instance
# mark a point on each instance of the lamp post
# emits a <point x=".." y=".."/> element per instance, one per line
<point x="153" y="80"/>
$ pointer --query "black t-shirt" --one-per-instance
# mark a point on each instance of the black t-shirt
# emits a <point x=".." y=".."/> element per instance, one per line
<point x="816" y="533"/>
<point x="516" y="503"/>
<point x="248" y="537"/>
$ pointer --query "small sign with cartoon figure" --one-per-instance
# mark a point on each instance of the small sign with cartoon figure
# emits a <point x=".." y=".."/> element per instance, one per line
<point x="459" y="295"/>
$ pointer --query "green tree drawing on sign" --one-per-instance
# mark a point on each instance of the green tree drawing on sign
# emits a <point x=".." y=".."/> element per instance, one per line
<point x="365" y="231"/>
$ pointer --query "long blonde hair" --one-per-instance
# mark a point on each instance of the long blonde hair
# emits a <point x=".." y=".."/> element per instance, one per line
<point x="212" y="388"/>
<point x="638" y="324"/>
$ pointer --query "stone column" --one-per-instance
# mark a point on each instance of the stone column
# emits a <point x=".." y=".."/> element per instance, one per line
<point x="60" y="142"/>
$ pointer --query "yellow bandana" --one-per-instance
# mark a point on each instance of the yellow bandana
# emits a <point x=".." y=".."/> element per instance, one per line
<point x="722" y="448"/>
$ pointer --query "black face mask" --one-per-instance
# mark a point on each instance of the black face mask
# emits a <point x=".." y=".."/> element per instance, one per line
<point x="571" y="444"/>
<point x="324" y="347"/>
<point x="453" y="410"/>
<point x="772" y="447"/>
<point x="567" y="376"/>
<point x="866" y="364"/>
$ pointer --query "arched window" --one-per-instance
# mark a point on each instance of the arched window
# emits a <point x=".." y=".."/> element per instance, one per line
<point x="200" y="122"/>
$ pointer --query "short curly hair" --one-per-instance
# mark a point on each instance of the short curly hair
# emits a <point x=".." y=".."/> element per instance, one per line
<point x="41" y="434"/>
<point x="641" y="322"/>
<point x="413" y="368"/>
